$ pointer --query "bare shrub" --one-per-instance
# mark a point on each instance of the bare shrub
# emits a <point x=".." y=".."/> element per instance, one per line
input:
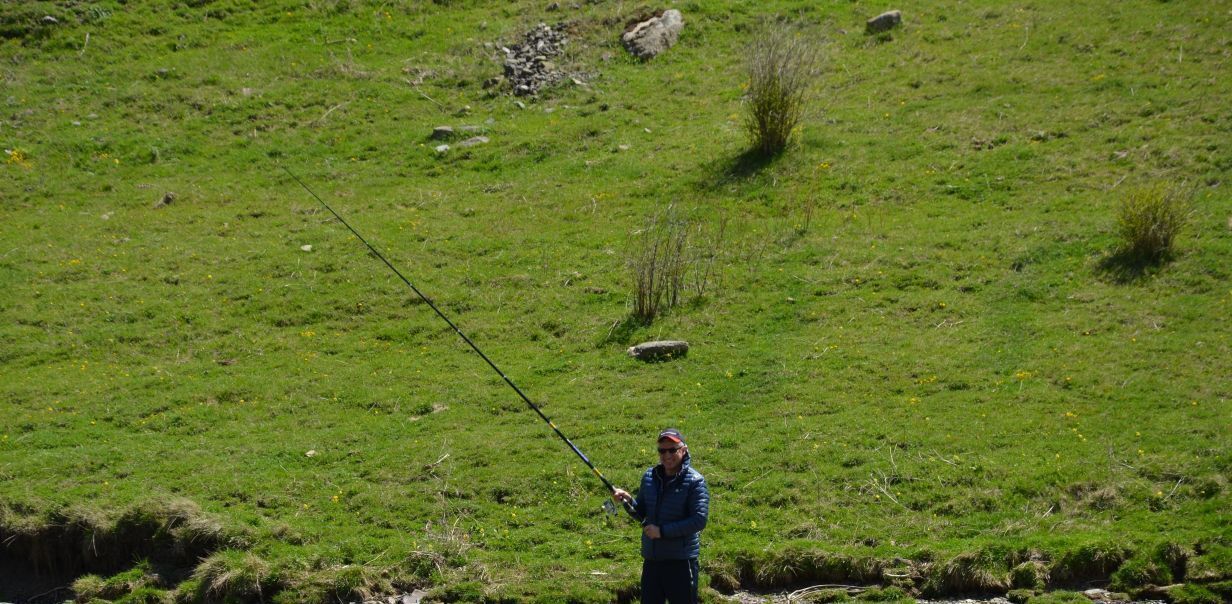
<point x="705" y="247"/>
<point x="670" y="255"/>
<point x="1149" y="220"/>
<point x="782" y="68"/>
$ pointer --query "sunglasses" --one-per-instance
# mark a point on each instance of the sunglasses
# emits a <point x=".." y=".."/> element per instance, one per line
<point x="671" y="450"/>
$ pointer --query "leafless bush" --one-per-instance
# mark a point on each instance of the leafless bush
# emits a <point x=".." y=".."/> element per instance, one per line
<point x="705" y="251"/>
<point x="673" y="253"/>
<point x="782" y="68"/>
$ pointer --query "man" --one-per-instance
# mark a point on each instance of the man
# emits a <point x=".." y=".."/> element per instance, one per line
<point x="673" y="502"/>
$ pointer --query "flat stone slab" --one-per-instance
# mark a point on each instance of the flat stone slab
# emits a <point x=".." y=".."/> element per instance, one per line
<point x="661" y="350"/>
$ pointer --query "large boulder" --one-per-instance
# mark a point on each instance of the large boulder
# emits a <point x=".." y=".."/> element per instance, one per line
<point x="648" y="38"/>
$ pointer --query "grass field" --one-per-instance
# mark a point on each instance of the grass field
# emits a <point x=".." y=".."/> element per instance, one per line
<point x="920" y="356"/>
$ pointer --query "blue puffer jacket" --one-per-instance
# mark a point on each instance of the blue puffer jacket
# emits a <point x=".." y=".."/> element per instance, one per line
<point x="679" y="506"/>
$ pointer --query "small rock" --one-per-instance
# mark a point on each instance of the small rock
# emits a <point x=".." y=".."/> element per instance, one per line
<point x="884" y="22"/>
<point x="415" y="597"/>
<point x="247" y="91"/>
<point x="520" y="104"/>
<point x="441" y="149"/>
<point x="311" y="453"/>
<point x="649" y="38"/>
<point x="167" y="199"/>
<point x="555" y="6"/>
<point x="306" y="248"/>
<point x="49" y="20"/>
<point x="493" y="81"/>
<point x="76" y="123"/>
<point x="474" y="140"/>
<point x="442" y="133"/>
<point x="623" y="147"/>
<point x="659" y="350"/>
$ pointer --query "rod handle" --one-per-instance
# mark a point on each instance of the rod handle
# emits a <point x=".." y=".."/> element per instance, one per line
<point x="632" y="511"/>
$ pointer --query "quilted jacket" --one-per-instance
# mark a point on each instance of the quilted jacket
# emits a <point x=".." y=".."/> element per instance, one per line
<point x="679" y="507"/>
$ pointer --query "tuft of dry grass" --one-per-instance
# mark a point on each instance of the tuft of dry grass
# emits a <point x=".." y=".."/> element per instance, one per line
<point x="782" y="69"/>
<point x="1149" y="220"/>
<point x="971" y="572"/>
<point x="232" y="575"/>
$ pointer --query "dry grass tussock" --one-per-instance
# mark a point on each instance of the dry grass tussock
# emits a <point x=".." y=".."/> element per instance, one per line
<point x="782" y="68"/>
<point x="233" y="575"/>
<point x="1149" y="220"/>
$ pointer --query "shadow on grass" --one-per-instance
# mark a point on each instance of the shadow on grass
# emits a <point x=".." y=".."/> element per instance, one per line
<point x="747" y="164"/>
<point x="1127" y="267"/>
<point x="622" y="331"/>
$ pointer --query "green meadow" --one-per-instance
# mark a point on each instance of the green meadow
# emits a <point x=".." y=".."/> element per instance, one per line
<point x="918" y="363"/>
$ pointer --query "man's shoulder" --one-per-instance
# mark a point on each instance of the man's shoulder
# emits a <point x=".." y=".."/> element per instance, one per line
<point x="694" y="476"/>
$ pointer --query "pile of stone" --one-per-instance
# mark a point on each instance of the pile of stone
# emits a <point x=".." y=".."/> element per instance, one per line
<point x="528" y="65"/>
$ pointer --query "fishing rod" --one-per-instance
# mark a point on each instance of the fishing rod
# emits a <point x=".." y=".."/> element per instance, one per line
<point x="610" y="487"/>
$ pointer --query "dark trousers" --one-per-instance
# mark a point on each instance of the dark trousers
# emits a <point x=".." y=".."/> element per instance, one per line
<point x="673" y="581"/>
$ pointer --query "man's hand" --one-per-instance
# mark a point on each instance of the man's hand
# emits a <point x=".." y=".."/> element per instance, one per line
<point x="652" y="531"/>
<point x="621" y="495"/>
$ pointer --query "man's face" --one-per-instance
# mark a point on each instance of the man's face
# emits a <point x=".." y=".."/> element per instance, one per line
<point x="671" y="454"/>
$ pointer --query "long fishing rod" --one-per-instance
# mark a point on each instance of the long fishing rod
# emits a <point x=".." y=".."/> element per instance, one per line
<point x="610" y="487"/>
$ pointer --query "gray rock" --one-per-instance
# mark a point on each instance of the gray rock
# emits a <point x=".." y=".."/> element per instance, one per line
<point x="659" y="350"/>
<point x="442" y="133"/>
<point x="647" y="39"/>
<point x="474" y="140"/>
<point x="49" y="20"/>
<point x="415" y="597"/>
<point x="168" y="199"/>
<point x="441" y="149"/>
<point x="884" y="22"/>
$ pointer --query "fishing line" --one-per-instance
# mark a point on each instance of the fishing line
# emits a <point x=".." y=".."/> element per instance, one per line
<point x="610" y="487"/>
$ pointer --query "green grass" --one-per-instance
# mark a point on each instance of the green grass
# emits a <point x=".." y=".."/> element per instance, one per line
<point x="936" y="368"/>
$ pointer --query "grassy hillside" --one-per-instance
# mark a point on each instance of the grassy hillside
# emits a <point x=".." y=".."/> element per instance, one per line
<point x="918" y="358"/>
